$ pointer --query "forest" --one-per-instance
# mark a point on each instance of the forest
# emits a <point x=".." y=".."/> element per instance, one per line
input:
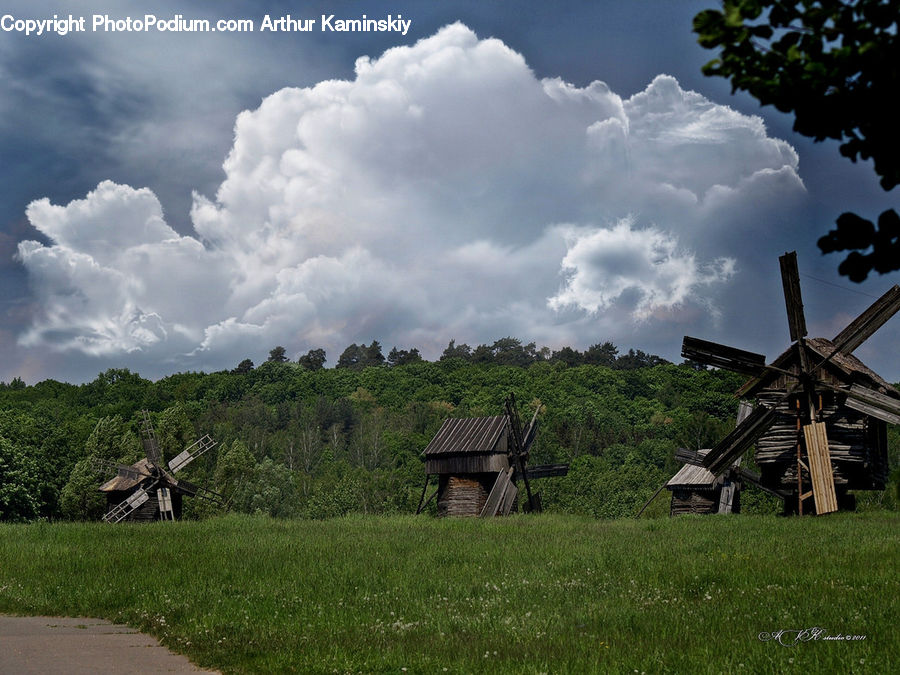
<point x="297" y="439"/>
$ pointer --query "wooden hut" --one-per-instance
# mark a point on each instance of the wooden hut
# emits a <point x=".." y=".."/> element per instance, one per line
<point x="857" y="442"/>
<point x="695" y="489"/>
<point x="120" y="488"/>
<point x="467" y="456"/>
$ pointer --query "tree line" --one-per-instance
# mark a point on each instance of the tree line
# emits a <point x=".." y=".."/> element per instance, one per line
<point x="299" y="442"/>
<point x="508" y="351"/>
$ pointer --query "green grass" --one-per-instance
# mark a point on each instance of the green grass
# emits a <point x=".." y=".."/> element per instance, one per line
<point x="520" y="594"/>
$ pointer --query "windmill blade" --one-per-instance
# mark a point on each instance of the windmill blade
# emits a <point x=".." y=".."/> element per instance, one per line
<point x="191" y="453"/>
<point x="151" y="447"/>
<point x="546" y="471"/>
<point x="820" y="471"/>
<point x="793" y="302"/>
<point x="502" y="496"/>
<point x="726" y="497"/>
<point x="871" y="402"/>
<point x="734" y="444"/>
<point x="122" y="470"/>
<point x="744" y="410"/>
<point x="861" y="328"/>
<point x="530" y="432"/>
<point x="721" y="356"/>
<point x="193" y="490"/>
<point x="753" y="478"/>
<point x="164" y="498"/>
<point x="135" y="500"/>
<point x="519" y="456"/>
<point x="687" y="456"/>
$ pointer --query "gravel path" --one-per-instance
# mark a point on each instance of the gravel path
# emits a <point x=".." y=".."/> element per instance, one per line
<point x="50" y="645"/>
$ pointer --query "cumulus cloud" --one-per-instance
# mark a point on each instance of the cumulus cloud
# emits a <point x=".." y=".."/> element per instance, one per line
<point x="606" y="265"/>
<point x="444" y="192"/>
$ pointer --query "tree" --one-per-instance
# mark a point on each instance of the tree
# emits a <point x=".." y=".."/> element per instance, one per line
<point x="313" y="360"/>
<point x="569" y="356"/>
<point x="351" y="357"/>
<point x="453" y="351"/>
<point x="244" y="366"/>
<point x="400" y="357"/>
<point x="836" y="65"/>
<point x="19" y="483"/>
<point x="277" y="355"/>
<point x="601" y="354"/>
<point x="358" y="357"/>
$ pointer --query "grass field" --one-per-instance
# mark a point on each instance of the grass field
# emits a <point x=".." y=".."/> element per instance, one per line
<point x="520" y="594"/>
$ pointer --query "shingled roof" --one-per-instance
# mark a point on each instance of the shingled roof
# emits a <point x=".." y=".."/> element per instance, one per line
<point x="474" y="435"/>
<point x="851" y="368"/>
<point x="118" y="483"/>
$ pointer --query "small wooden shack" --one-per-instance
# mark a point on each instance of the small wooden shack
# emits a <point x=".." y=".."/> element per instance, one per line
<point x="857" y="442"/>
<point x="120" y="488"/>
<point x="467" y="455"/>
<point x="695" y="489"/>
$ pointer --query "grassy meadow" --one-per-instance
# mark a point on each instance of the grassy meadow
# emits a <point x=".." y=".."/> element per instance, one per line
<point x="530" y="594"/>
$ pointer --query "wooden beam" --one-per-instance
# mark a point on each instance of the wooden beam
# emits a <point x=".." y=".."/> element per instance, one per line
<point x="793" y="302"/>
<point x="545" y="471"/>
<point x="820" y="467"/>
<point x="868" y="322"/>
<point x="734" y="444"/>
<point x="497" y="496"/>
<point x="722" y="356"/>
<point x="876" y="404"/>
<point x="754" y="479"/>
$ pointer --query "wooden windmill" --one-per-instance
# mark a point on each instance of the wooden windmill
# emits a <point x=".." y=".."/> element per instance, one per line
<point x="130" y="494"/>
<point x="820" y="426"/>
<point x="478" y="462"/>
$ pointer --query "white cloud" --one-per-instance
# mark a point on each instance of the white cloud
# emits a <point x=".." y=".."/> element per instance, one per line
<point x="603" y="266"/>
<point x="421" y="201"/>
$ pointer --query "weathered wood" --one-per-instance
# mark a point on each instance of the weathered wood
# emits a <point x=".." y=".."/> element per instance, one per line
<point x="790" y="281"/>
<point x="422" y="497"/>
<point x="495" y="498"/>
<point x="686" y="456"/>
<point x="722" y="356"/>
<point x="726" y="497"/>
<point x="471" y="463"/>
<point x="861" y="328"/>
<point x="545" y="471"/>
<point x="820" y="467"/>
<point x="696" y="502"/>
<point x="734" y="444"/>
<point x="744" y="410"/>
<point x="873" y="403"/>
<point x="463" y="495"/>
<point x="857" y="445"/>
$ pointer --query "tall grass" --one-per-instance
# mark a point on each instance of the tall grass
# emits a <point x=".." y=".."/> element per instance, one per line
<point x="519" y="594"/>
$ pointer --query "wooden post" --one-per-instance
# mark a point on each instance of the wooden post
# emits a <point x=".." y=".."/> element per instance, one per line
<point x="799" y="466"/>
<point x="424" y="489"/>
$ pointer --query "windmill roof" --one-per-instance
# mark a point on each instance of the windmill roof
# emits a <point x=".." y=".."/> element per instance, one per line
<point x="118" y="483"/>
<point x="695" y="477"/>
<point x="846" y="366"/>
<point x="467" y="436"/>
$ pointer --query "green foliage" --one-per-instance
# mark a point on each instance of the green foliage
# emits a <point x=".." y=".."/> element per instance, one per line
<point x="80" y="499"/>
<point x="19" y="481"/>
<point x="836" y="66"/>
<point x="328" y="442"/>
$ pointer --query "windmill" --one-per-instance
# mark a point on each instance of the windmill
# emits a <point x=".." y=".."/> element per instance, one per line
<point x="148" y="477"/>
<point x="478" y="462"/>
<point x="821" y="419"/>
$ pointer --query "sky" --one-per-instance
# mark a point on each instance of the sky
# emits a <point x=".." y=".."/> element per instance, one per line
<point x="562" y="173"/>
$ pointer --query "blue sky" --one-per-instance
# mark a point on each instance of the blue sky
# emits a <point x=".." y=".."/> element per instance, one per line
<point x="559" y="172"/>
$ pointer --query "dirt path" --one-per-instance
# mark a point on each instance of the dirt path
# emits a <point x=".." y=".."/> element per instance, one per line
<point x="50" y="645"/>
